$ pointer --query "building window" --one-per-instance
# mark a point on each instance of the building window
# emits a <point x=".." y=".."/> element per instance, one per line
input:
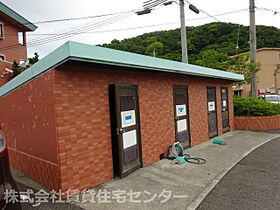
<point x="20" y="38"/>
<point x="1" y="31"/>
<point x="2" y="58"/>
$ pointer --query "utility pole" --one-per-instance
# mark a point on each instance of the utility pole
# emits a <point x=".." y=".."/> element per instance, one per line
<point x="253" y="48"/>
<point x="183" y="33"/>
<point x="150" y="4"/>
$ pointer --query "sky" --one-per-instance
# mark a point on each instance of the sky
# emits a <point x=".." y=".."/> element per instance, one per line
<point x="100" y="30"/>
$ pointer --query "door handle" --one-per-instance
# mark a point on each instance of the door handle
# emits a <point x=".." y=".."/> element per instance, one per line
<point x="120" y="131"/>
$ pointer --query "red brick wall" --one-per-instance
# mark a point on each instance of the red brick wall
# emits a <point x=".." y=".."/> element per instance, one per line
<point x="83" y="121"/>
<point x="44" y="172"/>
<point x="27" y="117"/>
<point x="257" y="123"/>
<point x="58" y="125"/>
<point x="9" y="46"/>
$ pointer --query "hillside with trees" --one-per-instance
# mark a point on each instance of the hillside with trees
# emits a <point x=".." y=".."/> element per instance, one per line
<point x="209" y="43"/>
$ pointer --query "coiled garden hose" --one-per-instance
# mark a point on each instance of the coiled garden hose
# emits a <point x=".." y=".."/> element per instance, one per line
<point x="198" y="161"/>
<point x="188" y="158"/>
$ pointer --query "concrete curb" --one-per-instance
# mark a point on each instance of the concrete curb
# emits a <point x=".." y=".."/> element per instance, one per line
<point x="208" y="189"/>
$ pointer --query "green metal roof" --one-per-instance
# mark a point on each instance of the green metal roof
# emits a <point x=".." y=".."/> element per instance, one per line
<point x="12" y="14"/>
<point x="94" y="54"/>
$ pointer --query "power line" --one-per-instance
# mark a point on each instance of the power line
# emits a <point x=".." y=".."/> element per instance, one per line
<point x="73" y="18"/>
<point x="152" y="3"/>
<point x="205" y="12"/>
<point x="32" y="44"/>
<point x="80" y="18"/>
<point x="134" y="28"/>
<point x="275" y="12"/>
<point x="80" y="30"/>
<point x="67" y="34"/>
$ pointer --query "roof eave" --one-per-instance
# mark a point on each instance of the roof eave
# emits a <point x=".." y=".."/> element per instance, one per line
<point x="17" y="17"/>
<point x="75" y="58"/>
<point x="53" y="60"/>
<point x="79" y="52"/>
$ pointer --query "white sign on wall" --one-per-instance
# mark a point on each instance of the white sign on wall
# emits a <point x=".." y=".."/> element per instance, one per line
<point x="181" y="110"/>
<point x="181" y="125"/>
<point x="128" y="118"/>
<point x="129" y="139"/>
<point x="211" y="106"/>
<point x="224" y="102"/>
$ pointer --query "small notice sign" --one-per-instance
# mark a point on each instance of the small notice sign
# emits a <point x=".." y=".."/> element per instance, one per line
<point x="211" y="106"/>
<point x="181" y="110"/>
<point x="224" y="103"/>
<point x="181" y="125"/>
<point x="128" y="118"/>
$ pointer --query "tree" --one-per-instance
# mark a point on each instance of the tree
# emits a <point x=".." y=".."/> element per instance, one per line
<point x="154" y="47"/>
<point x="33" y="59"/>
<point x="242" y="65"/>
<point x="213" y="59"/>
<point x="16" y="69"/>
<point x="221" y="37"/>
<point x="238" y="64"/>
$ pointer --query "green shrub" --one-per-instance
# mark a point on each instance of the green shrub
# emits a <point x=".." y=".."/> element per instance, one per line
<point x="249" y="107"/>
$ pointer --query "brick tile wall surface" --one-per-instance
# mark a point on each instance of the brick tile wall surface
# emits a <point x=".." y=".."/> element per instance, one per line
<point x="11" y="49"/>
<point x="83" y="120"/>
<point x="44" y="172"/>
<point x="257" y="123"/>
<point x="27" y="116"/>
<point x="80" y="121"/>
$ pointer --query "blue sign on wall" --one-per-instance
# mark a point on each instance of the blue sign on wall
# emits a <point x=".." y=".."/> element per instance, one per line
<point x="181" y="109"/>
<point x="128" y="117"/>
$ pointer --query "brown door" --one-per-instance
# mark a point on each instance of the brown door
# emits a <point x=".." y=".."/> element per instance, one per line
<point x="181" y="115"/>
<point x="225" y="109"/>
<point x="127" y="128"/>
<point x="212" y="112"/>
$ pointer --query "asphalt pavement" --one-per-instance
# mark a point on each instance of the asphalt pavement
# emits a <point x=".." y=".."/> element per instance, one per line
<point x="254" y="183"/>
<point x="165" y="185"/>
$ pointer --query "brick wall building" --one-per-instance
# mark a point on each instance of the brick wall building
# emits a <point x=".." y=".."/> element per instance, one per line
<point x="13" y="28"/>
<point x="84" y="114"/>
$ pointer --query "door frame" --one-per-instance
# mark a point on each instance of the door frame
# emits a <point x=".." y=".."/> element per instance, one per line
<point x="216" y="110"/>
<point x="188" y="114"/>
<point x="116" y="150"/>
<point x="228" y="110"/>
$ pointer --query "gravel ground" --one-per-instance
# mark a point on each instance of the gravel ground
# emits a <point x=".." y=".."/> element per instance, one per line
<point x="254" y="183"/>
